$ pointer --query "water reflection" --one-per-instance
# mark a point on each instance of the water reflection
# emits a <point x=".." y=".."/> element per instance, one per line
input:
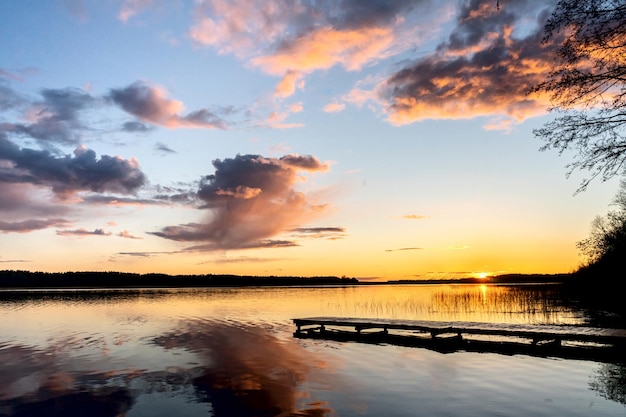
<point x="246" y="371"/>
<point x="105" y="402"/>
<point x="230" y="352"/>
<point x="38" y="382"/>
<point x="527" y="304"/>
<point x="540" y="304"/>
<point x="237" y="370"/>
<point x="609" y="381"/>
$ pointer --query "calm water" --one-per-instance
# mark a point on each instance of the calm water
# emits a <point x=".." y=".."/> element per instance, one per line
<point x="230" y="352"/>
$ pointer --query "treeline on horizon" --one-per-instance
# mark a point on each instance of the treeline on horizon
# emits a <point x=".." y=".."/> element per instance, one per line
<point x="18" y="279"/>
<point x="28" y="279"/>
<point x="496" y="279"/>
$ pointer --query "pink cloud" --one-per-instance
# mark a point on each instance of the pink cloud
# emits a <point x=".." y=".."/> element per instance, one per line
<point x="334" y="107"/>
<point x="126" y="234"/>
<point x="132" y="7"/>
<point x="251" y="199"/>
<point x="30" y="225"/>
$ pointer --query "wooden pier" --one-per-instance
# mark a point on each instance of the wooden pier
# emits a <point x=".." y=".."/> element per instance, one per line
<point x="574" y="342"/>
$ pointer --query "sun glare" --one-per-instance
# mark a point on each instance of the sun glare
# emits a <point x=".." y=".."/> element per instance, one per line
<point x="482" y="275"/>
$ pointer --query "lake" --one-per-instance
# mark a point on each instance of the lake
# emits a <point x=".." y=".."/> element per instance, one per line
<point x="231" y="352"/>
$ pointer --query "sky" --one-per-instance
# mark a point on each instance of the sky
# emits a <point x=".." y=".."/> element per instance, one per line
<point x="370" y="139"/>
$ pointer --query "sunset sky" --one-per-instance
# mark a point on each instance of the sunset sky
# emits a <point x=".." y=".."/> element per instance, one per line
<point x="372" y="139"/>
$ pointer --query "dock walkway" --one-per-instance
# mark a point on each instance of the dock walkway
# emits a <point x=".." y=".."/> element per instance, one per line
<point x="544" y="340"/>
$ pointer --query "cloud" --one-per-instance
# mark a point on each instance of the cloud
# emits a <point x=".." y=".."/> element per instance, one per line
<point x="132" y="7"/>
<point x="414" y="217"/>
<point x="83" y="232"/>
<point x="260" y="244"/>
<point x="55" y="119"/>
<point x="126" y="234"/>
<point x="331" y="233"/>
<point x="163" y="148"/>
<point x="402" y="249"/>
<point x="143" y="254"/>
<point x="276" y="118"/>
<point x="10" y="75"/>
<point x="25" y="208"/>
<point x="26" y="226"/>
<point x="77" y="9"/>
<point x="334" y="107"/>
<point x="284" y="41"/>
<point x="27" y="200"/>
<point x="250" y="199"/>
<point x="296" y="107"/>
<point x="9" y="99"/>
<point x="109" y="200"/>
<point x="59" y="117"/>
<point x="151" y="104"/>
<point x="326" y="47"/>
<point x="68" y="174"/>
<point x="241" y="259"/>
<point x="291" y="81"/>
<point x="484" y="68"/>
<point x="135" y="127"/>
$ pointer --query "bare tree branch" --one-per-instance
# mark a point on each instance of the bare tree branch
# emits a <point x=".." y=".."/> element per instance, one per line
<point x="587" y="86"/>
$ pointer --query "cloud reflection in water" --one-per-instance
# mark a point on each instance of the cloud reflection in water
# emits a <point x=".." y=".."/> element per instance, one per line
<point x="247" y="372"/>
<point x="239" y="371"/>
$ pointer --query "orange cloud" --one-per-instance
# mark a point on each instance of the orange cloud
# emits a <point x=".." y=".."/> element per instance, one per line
<point x="327" y="47"/>
<point x="287" y="86"/>
<point x="322" y="50"/>
<point x="282" y="41"/>
<point x="483" y="69"/>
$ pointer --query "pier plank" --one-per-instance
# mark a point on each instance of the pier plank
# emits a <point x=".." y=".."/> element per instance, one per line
<point x="536" y="333"/>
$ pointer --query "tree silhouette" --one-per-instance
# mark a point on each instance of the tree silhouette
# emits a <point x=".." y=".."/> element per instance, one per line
<point x="587" y="86"/>
<point x="606" y="246"/>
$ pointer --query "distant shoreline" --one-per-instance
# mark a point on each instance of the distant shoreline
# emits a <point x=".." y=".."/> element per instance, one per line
<point x="120" y="280"/>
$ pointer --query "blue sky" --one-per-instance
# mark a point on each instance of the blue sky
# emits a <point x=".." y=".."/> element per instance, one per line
<point x="382" y="140"/>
